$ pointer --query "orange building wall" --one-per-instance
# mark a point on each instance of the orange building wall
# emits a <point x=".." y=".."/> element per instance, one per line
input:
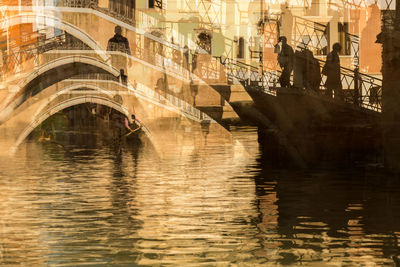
<point x="16" y="37"/>
<point x="371" y="52"/>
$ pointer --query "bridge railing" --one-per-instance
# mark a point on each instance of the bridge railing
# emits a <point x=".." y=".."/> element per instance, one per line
<point x="124" y="12"/>
<point x="96" y="76"/>
<point x="209" y="69"/>
<point x="352" y="47"/>
<point x="313" y="34"/>
<point x="163" y="57"/>
<point x="13" y="59"/>
<point x="18" y="59"/>
<point x="78" y="3"/>
<point x="172" y="100"/>
<point x="359" y="89"/>
<point x="239" y="70"/>
<point x="368" y="93"/>
<point x="362" y="90"/>
<point x="159" y="53"/>
<point x="249" y="75"/>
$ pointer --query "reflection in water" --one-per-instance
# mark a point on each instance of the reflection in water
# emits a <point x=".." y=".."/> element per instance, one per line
<point x="72" y="205"/>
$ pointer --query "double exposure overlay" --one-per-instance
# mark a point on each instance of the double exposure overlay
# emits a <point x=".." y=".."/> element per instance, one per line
<point x="199" y="132"/>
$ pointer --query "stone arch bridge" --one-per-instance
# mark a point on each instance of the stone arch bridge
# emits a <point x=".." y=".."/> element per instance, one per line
<point x="165" y="118"/>
<point x="164" y="62"/>
<point x="34" y="82"/>
<point x="211" y="88"/>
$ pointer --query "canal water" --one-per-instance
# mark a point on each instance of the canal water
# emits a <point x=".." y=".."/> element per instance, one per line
<point x="86" y="203"/>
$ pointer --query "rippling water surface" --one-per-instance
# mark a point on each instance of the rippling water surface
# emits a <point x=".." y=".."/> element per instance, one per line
<point x="216" y="205"/>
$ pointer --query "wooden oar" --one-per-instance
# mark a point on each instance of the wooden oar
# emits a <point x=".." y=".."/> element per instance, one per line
<point x="132" y="131"/>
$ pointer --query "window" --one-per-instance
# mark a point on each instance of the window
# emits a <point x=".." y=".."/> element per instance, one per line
<point x="344" y="38"/>
<point x="240" y="49"/>
<point x="254" y="47"/>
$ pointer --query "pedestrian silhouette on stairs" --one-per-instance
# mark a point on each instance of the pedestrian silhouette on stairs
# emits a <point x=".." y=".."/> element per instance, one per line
<point x="118" y="42"/>
<point x="285" y="60"/>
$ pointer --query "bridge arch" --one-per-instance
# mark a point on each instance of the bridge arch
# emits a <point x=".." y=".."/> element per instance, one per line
<point x="58" y="23"/>
<point x="90" y="64"/>
<point x="72" y="88"/>
<point x="83" y="35"/>
<point x="42" y="116"/>
<point x="51" y="73"/>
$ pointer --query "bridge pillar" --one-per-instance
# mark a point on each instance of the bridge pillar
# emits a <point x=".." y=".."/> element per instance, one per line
<point x="391" y="98"/>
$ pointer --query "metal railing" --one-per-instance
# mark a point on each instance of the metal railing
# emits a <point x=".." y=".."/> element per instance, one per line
<point x="211" y="10"/>
<point x="96" y="76"/>
<point x="78" y="3"/>
<point x="13" y="59"/>
<point x="249" y="75"/>
<point x="163" y="56"/>
<point x="172" y="100"/>
<point x="144" y="21"/>
<point x="304" y="31"/>
<point x="352" y="47"/>
<point x="312" y="34"/>
<point x="361" y="90"/>
<point x="116" y="9"/>
<point x="158" y="4"/>
<point x="387" y="8"/>
<point x="209" y="71"/>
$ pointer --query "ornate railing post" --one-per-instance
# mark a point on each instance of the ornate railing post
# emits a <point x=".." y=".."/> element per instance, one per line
<point x="356" y="94"/>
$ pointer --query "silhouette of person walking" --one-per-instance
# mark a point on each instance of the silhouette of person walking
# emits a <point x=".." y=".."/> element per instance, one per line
<point x="332" y="72"/>
<point x="118" y="42"/>
<point x="285" y="60"/>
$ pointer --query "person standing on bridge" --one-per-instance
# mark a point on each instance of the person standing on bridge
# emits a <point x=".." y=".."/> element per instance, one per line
<point x="332" y="71"/>
<point x="118" y="42"/>
<point x="285" y="60"/>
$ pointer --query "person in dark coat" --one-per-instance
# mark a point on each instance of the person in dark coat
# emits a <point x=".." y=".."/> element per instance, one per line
<point x="332" y="72"/>
<point x="118" y="42"/>
<point x="285" y="60"/>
